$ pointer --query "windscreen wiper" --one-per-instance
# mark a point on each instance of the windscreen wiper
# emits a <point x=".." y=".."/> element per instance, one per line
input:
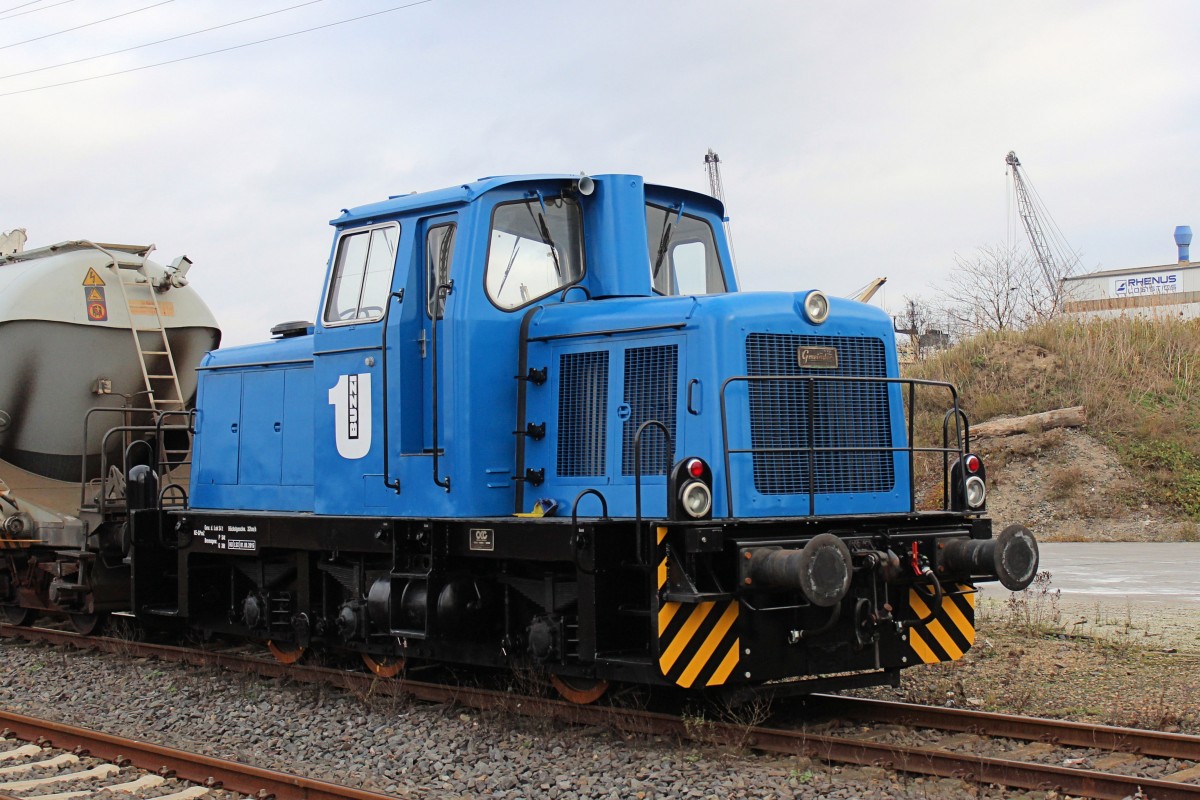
<point x="544" y="232"/>
<point x="508" y="269"/>
<point x="665" y="240"/>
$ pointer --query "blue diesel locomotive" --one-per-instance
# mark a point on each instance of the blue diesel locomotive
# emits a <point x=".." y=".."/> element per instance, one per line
<point x="536" y="422"/>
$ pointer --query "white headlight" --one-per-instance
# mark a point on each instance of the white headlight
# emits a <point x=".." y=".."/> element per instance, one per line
<point x="816" y="307"/>
<point x="976" y="491"/>
<point x="696" y="499"/>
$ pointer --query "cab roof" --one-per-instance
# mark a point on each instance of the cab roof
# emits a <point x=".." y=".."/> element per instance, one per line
<point x="467" y="192"/>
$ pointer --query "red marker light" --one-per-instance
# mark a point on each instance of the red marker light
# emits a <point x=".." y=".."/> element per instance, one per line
<point x="695" y="468"/>
<point x="973" y="463"/>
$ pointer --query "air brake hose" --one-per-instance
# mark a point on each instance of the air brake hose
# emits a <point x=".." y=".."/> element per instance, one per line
<point x="927" y="573"/>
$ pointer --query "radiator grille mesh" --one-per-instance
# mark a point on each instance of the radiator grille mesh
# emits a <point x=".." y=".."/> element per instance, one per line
<point x="651" y="392"/>
<point x="582" y="418"/>
<point x="845" y="415"/>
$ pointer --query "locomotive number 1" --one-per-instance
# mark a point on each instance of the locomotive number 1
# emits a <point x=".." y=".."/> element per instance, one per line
<point x="351" y="401"/>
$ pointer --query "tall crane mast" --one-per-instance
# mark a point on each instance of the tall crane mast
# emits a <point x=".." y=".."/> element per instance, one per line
<point x="1029" y="217"/>
<point x="1054" y="256"/>
<point x="712" y="166"/>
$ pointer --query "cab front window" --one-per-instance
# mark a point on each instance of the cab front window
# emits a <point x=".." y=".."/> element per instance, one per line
<point x="535" y="248"/>
<point x="683" y="253"/>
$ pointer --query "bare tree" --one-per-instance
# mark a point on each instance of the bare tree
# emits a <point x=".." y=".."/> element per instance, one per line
<point x="998" y="288"/>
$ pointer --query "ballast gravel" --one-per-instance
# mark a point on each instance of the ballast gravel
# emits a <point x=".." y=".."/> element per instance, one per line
<point x="407" y="748"/>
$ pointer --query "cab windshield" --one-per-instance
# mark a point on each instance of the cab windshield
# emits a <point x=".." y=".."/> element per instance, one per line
<point x="683" y="253"/>
<point x="535" y="248"/>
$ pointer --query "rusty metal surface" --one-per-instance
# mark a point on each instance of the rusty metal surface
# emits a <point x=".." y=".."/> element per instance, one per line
<point x="188" y="766"/>
<point x="1010" y="726"/>
<point x="967" y="766"/>
<point x="927" y="761"/>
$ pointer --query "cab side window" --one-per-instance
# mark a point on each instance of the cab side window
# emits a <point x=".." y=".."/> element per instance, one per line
<point x="683" y="253"/>
<point x="362" y="274"/>
<point x="439" y="252"/>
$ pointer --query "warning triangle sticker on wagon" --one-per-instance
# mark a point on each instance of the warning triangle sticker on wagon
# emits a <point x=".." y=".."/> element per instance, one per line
<point x="92" y="278"/>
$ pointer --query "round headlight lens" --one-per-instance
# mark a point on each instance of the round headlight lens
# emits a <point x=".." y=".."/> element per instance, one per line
<point x="816" y="307"/>
<point x="696" y="499"/>
<point x="976" y="491"/>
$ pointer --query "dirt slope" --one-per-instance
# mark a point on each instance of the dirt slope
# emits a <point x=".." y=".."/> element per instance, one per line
<point x="1066" y="486"/>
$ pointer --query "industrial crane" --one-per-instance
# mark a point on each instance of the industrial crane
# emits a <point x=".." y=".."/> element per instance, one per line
<point x="865" y="293"/>
<point x="1055" y="262"/>
<point x="712" y="166"/>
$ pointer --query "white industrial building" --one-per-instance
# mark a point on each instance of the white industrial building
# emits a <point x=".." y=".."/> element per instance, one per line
<point x="1169" y="290"/>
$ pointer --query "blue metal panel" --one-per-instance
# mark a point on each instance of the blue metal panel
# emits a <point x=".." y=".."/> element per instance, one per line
<point x="615" y="230"/>
<point x="218" y="429"/>
<point x="298" y="427"/>
<point x="261" y="455"/>
<point x="437" y="200"/>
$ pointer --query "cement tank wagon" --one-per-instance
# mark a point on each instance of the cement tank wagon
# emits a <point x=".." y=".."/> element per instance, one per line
<point x="86" y="326"/>
<point x="82" y="325"/>
<point x="68" y="343"/>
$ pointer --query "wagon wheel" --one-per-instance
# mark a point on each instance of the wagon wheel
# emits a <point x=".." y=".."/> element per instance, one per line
<point x="87" y="624"/>
<point x="385" y="666"/>
<point x="580" y="691"/>
<point x="15" y="615"/>
<point x="286" y="652"/>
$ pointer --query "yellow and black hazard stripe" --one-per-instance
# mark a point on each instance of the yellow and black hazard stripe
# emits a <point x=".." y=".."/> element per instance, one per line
<point x="950" y="633"/>
<point x="698" y="643"/>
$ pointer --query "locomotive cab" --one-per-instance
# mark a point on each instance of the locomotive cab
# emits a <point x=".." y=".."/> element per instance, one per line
<point x="536" y="421"/>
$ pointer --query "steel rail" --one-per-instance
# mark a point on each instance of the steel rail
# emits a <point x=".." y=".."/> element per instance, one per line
<point x="1011" y="726"/>
<point x="917" y="760"/>
<point x="981" y="769"/>
<point x="200" y="769"/>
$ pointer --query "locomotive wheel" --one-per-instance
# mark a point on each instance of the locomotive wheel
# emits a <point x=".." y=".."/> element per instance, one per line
<point x="581" y="691"/>
<point x="87" y="624"/>
<point x="383" y="667"/>
<point x="15" y="615"/>
<point x="286" y="652"/>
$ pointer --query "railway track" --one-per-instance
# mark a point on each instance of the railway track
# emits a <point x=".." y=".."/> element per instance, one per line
<point x="63" y="762"/>
<point x="49" y="771"/>
<point x="1078" y="759"/>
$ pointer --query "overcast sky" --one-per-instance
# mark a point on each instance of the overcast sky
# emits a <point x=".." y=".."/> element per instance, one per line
<point x="857" y="138"/>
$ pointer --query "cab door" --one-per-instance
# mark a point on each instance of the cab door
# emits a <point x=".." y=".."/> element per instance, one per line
<point x="350" y="414"/>
<point x="438" y="235"/>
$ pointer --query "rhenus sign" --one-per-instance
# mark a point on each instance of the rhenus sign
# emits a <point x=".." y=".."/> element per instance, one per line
<point x="1149" y="283"/>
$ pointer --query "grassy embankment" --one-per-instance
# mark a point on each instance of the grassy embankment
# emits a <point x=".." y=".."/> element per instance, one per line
<point x="1139" y="380"/>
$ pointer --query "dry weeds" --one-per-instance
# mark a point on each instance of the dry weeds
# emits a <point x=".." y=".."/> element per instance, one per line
<point x="1038" y="653"/>
<point x="1138" y="379"/>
